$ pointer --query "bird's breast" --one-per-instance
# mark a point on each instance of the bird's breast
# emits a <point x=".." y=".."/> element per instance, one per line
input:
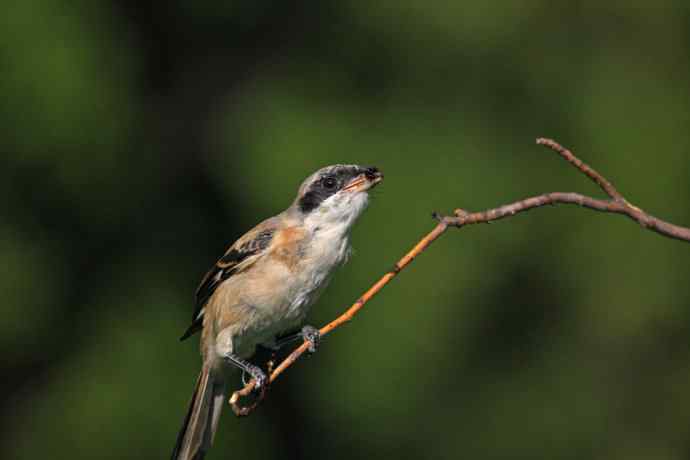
<point x="319" y="256"/>
<point x="276" y="293"/>
<point x="303" y="272"/>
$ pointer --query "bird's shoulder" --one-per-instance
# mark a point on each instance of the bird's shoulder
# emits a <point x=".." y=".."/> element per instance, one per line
<point x="241" y="255"/>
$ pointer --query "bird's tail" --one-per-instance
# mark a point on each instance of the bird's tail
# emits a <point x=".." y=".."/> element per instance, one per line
<point x="201" y="421"/>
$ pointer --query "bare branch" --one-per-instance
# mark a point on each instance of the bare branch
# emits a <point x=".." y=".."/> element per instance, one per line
<point x="587" y="170"/>
<point x="616" y="204"/>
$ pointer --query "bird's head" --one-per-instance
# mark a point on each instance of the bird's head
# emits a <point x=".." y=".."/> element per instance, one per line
<point x="335" y="195"/>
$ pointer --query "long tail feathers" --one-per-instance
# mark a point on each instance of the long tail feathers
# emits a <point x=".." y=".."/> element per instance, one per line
<point x="201" y="421"/>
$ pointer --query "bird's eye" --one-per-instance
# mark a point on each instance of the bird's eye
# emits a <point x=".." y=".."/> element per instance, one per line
<point x="329" y="182"/>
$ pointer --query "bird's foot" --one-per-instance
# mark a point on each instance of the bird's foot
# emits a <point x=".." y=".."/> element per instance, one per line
<point x="259" y="376"/>
<point x="312" y="336"/>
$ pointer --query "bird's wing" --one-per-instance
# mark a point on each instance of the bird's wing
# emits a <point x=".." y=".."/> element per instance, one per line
<point x="241" y="255"/>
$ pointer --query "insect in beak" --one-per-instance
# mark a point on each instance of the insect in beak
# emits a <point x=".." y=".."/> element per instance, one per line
<point x="364" y="181"/>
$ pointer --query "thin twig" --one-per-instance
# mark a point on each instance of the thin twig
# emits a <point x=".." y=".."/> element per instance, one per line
<point x="616" y="204"/>
<point x="587" y="170"/>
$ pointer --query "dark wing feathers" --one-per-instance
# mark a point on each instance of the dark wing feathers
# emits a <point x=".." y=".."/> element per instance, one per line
<point x="224" y="268"/>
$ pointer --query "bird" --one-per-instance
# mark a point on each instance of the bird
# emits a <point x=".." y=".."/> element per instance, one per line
<point x="260" y="291"/>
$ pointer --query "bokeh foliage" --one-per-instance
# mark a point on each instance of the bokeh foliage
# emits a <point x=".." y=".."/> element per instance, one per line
<point x="141" y="138"/>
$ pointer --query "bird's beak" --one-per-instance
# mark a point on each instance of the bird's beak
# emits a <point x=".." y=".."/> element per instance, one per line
<point x="365" y="181"/>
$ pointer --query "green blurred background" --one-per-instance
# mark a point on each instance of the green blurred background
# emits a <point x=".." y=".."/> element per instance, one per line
<point x="139" y="139"/>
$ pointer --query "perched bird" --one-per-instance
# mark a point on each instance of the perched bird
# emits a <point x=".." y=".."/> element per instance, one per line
<point x="263" y="286"/>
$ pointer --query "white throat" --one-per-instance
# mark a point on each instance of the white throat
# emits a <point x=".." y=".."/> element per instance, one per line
<point x="336" y="215"/>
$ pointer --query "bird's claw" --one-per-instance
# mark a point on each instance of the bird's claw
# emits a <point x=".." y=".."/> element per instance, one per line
<point x="312" y="336"/>
<point x="259" y="376"/>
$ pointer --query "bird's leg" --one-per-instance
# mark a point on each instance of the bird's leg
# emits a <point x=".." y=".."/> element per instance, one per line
<point x="309" y="334"/>
<point x="255" y="371"/>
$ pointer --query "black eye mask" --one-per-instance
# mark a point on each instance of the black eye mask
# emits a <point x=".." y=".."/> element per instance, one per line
<point x="326" y="185"/>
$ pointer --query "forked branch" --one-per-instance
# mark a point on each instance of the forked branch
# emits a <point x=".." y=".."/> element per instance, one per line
<point x="615" y="204"/>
